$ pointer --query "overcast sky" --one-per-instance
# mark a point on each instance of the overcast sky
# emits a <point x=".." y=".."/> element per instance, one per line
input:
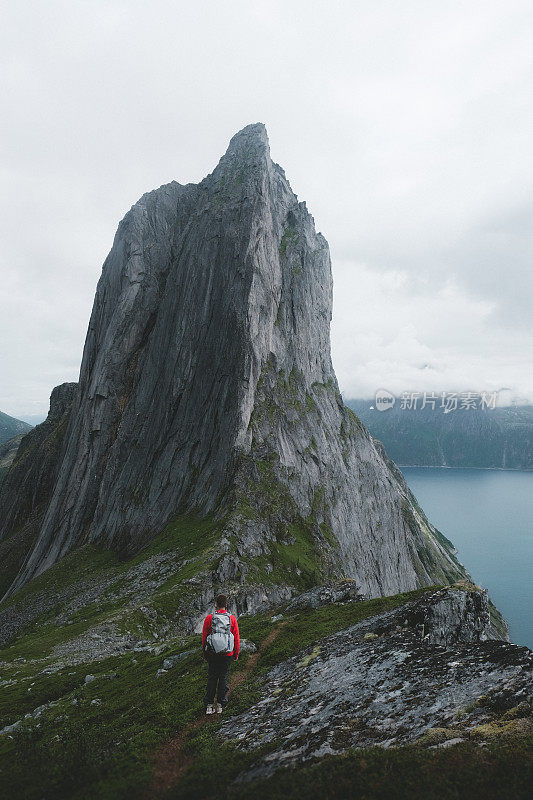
<point x="406" y="126"/>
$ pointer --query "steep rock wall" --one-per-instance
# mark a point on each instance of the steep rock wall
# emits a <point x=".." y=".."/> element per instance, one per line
<point x="207" y="386"/>
<point x="28" y="486"/>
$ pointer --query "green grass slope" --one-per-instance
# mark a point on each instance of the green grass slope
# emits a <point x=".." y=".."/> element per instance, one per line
<point x="99" y="739"/>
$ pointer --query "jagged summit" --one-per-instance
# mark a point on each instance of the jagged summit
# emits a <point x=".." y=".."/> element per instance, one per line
<point x="207" y="388"/>
<point x="251" y="139"/>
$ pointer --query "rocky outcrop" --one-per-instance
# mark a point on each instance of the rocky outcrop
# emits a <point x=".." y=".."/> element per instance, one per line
<point x="427" y="672"/>
<point x="207" y="386"/>
<point x="27" y="487"/>
<point x="30" y="481"/>
<point x="341" y="592"/>
<point x="455" y="615"/>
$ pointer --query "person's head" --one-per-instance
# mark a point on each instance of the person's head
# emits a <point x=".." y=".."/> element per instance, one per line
<point x="221" y="601"/>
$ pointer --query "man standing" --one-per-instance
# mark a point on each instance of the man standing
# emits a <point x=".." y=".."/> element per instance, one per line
<point x="220" y="644"/>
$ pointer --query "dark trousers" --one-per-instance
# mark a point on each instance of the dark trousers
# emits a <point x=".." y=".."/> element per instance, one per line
<point x="217" y="681"/>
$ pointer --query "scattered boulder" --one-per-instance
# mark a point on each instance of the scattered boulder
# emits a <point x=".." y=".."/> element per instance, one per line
<point x="171" y="661"/>
<point x="341" y="592"/>
<point x="10" y="728"/>
<point x="246" y="646"/>
<point x="104" y="677"/>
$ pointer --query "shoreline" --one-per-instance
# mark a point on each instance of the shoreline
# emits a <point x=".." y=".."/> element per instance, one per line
<point x="442" y="466"/>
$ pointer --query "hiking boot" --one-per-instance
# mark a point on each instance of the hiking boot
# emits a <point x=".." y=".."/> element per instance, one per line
<point x="219" y="708"/>
<point x="210" y="709"/>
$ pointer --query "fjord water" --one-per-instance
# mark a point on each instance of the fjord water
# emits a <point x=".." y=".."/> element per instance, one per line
<point x="488" y="515"/>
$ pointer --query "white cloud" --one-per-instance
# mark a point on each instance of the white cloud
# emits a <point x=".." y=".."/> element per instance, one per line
<point x="406" y="127"/>
<point x="403" y="334"/>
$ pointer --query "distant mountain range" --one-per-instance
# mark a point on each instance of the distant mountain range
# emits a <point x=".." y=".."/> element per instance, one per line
<point x="10" y="427"/>
<point x="11" y="432"/>
<point x="499" y="438"/>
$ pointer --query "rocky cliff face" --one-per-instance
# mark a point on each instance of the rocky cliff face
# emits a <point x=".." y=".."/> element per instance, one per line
<point x="207" y="387"/>
<point x="28" y="484"/>
<point x="8" y="452"/>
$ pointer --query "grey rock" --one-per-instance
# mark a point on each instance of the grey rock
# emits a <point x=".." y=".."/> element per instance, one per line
<point x="457" y="616"/>
<point x="347" y="690"/>
<point x="449" y="742"/>
<point x="32" y="715"/>
<point x="11" y="728"/>
<point x="90" y="678"/>
<point x="207" y="385"/>
<point x="170" y="662"/>
<point x="9" y="449"/>
<point x="340" y="592"/>
<point x="27" y="488"/>
<point x="246" y="646"/>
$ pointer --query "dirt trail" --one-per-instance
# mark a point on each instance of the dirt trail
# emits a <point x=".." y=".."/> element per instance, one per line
<point x="170" y="761"/>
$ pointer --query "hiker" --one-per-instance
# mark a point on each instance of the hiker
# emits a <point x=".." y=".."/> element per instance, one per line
<point x="220" y="645"/>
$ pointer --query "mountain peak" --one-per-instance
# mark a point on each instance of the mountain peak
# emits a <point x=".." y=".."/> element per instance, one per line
<point x="207" y="387"/>
<point x="254" y="134"/>
<point x="247" y="149"/>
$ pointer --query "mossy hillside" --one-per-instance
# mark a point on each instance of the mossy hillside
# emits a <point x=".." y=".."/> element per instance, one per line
<point x="372" y="773"/>
<point x="98" y="741"/>
<point x="106" y="579"/>
<point x="295" y="560"/>
<point x="497" y="621"/>
<point x="104" y="749"/>
<point x="187" y="536"/>
<point x="444" y="541"/>
<point x="497" y="772"/>
<point x="427" y="558"/>
<point x="299" y="553"/>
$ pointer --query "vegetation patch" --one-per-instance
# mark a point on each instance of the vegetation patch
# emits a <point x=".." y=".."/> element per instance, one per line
<point x="98" y="740"/>
<point x="104" y="575"/>
<point x="290" y="236"/>
<point x="405" y="773"/>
